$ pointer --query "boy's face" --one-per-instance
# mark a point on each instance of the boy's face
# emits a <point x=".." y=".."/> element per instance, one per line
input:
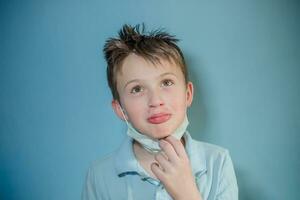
<point x="155" y="97"/>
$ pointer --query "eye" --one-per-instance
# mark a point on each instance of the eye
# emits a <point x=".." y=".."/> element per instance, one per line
<point x="167" y="83"/>
<point x="136" y="89"/>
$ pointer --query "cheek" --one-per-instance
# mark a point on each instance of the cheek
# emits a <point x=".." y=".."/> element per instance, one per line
<point x="177" y="97"/>
<point x="134" y="108"/>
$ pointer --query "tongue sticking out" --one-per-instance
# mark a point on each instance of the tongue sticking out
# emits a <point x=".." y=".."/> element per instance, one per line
<point x="159" y="118"/>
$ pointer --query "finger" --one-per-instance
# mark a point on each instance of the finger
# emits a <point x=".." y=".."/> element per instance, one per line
<point x="177" y="145"/>
<point x="168" y="150"/>
<point x="158" y="172"/>
<point x="162" y="161"/>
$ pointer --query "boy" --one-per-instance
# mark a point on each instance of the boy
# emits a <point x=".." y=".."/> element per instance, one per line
<point x="148" y="79"/>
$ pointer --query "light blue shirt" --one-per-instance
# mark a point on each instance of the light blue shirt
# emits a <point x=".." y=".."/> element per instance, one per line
<point x="120" y="176"/>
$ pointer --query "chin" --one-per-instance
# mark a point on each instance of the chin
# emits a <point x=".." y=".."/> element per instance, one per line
<point x="161" y="134"/>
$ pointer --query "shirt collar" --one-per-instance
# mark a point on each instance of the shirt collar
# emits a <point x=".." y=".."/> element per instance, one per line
<point x="126" y="162"/>
<point x="196" y="154"/>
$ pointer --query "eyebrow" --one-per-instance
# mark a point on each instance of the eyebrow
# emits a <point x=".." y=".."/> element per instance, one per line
<point x="162" y="75"/>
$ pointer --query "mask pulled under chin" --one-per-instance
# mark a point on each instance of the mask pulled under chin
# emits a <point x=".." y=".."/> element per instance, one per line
<point x="152" y="145"/>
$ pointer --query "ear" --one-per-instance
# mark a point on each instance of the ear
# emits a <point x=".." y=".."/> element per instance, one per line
<point x="189" y="94"/>
<point x="118" y="109"/>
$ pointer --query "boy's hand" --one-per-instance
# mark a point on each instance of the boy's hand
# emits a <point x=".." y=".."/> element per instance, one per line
<point x="174" y="171"/>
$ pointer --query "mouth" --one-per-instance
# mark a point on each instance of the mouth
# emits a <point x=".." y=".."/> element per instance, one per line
<point x="159" y="118"/>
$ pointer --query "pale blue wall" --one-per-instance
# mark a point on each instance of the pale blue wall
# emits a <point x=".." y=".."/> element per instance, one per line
<point x="55" y="115"/>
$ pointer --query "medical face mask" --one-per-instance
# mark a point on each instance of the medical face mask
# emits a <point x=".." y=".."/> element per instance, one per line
<point x="152" y="145"/>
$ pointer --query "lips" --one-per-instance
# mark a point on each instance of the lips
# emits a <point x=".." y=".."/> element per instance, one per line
<point x="159" y="118"/>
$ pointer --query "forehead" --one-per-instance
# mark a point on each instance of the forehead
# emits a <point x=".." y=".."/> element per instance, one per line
<point x="135" y="66"/>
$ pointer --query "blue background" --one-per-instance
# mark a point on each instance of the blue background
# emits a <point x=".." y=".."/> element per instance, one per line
<point x="55" y="114"/>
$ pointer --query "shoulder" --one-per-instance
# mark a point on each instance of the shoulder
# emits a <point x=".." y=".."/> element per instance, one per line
<point x="209" y="147"/>
<point x="101" y="178"/>
<point x="104" y="166"/>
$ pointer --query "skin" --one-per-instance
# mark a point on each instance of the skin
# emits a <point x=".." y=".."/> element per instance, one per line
<point x="155" y="99"/>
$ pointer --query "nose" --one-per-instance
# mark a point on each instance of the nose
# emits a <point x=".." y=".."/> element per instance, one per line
<point x="155" y="99"/>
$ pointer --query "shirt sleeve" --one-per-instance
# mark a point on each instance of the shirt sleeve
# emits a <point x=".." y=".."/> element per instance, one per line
<point x="227" y="188"/>
<point x="89" y="188"/>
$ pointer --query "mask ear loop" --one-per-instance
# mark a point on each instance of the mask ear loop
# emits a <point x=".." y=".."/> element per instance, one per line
<point x="123" y="114"/>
